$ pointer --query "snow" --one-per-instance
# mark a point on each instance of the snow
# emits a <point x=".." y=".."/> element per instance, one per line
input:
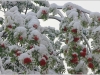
<point x="95" y="15"/>
<point x="13" y="47"/>
<point x="32" y="22"/>
<point x="20" y="30"/>
<point x="39" y="13"/>
<point x="34" y="32"/>
<point x="72" y="13"/>
<point x="13" y="9"/>
<point x="23" y="56"/>
<point x="72" y="5"/>
<point x="81" y="62"/>
<point x="43" y="50"/>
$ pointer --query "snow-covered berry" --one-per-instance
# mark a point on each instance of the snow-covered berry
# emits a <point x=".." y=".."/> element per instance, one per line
<point x="90" y="65"/>
<point x="42" y="62"/>
<point x="35" y="38"/>
<point x="27" y="60"/>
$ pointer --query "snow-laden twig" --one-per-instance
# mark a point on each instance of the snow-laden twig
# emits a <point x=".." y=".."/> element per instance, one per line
<point x="26" y="6"/>
<point x="56" y="17"/>
<point x="76" y="6"/>
<point x="59" y="12"/>
<point x="86" y="41"/>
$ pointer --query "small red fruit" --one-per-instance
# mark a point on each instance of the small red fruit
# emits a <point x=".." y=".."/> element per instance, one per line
<point x="35" y="26"/>
<point x="89" y="59"/>
<point x="35" y="38"/>
<point x="44" y="12"/>
<point x="99" y="19"/>
<point x="30" y="47"/>
<point x="74" y="55"/>
<point x="17" y="53"/>
<point x="20" y="38"/>
<point x="74" y="30"/>
<point x="76" y="39"/>
<point x="74" y="60"/>
<point x="9" y="26"/>
<point x="2" y="45"/>
<point x="45" y="57"/>
<point x="64" y="29"/>
<point x="83" y="54"/>
<point x="90" y="65"/>
<point x="42" y="62"/>
<point x="84" y="50"/>
<point x="51" y="53"/>
<point x="27" y="61"/>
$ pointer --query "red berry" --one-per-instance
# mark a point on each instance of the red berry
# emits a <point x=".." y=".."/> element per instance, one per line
<point x="89" y="59"/>
<point x="99" y="19"/>
<point x="74" y="55"/>
<point x="74" y="60"/>
<point x="90" y="65"/>
<point x="9" y="26"/>
<point x="83" y="54"/>
<point x="76" y="39"/>
<point x="35" y="38"/>
<point x="2" y="45"/>
<point x="44" y="12"/>
<point x="42" y="62"/>
<point x="27" y="61"/>
<point x="74" y="30"/>
<point x="18" y="54"/>
<point x="66" y="41"/>
<point x="84" y="50"/>
<point x="30" y="47"/>
<point x="51" y="53"/>
<point x="64" y="29"/>
<point x="45" y="57"/>
<point x="35" y="26"/>
<point x="20" y="38"/>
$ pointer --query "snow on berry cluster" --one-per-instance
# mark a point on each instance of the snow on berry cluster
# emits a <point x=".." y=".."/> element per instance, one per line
<point x="25" y="46"/>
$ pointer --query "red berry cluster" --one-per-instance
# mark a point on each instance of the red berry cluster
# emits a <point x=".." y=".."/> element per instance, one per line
<point x="44" y="12"/>
<point x="83" y="52"/>
<point x="17" y="53"/>
<point x="35" y="26"/>
<point x="27" y="60"/>
<point x="2" y="45"/>
<point x="43" y="61"/>
<point x="9" y="26"/>
<point x="74" y="58"/>
<point x="35" y="38"/>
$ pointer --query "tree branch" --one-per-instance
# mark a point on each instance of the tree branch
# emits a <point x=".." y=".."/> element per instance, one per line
<point x="60" y="14"/>
<point x="78" y="7"/>
<point x="86" y="42"/>
<point x="26" y="6"/>
<point x="55" y="17"/>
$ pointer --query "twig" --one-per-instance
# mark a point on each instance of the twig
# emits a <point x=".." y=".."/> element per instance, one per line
<point x="26" y="6"/>
<point x="86" y="41"/>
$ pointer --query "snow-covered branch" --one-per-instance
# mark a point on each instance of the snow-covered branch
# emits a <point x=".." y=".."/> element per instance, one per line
<point x="76" y="6"/>
<point x="86" y="42"/>
<point x="56" y="17"/>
